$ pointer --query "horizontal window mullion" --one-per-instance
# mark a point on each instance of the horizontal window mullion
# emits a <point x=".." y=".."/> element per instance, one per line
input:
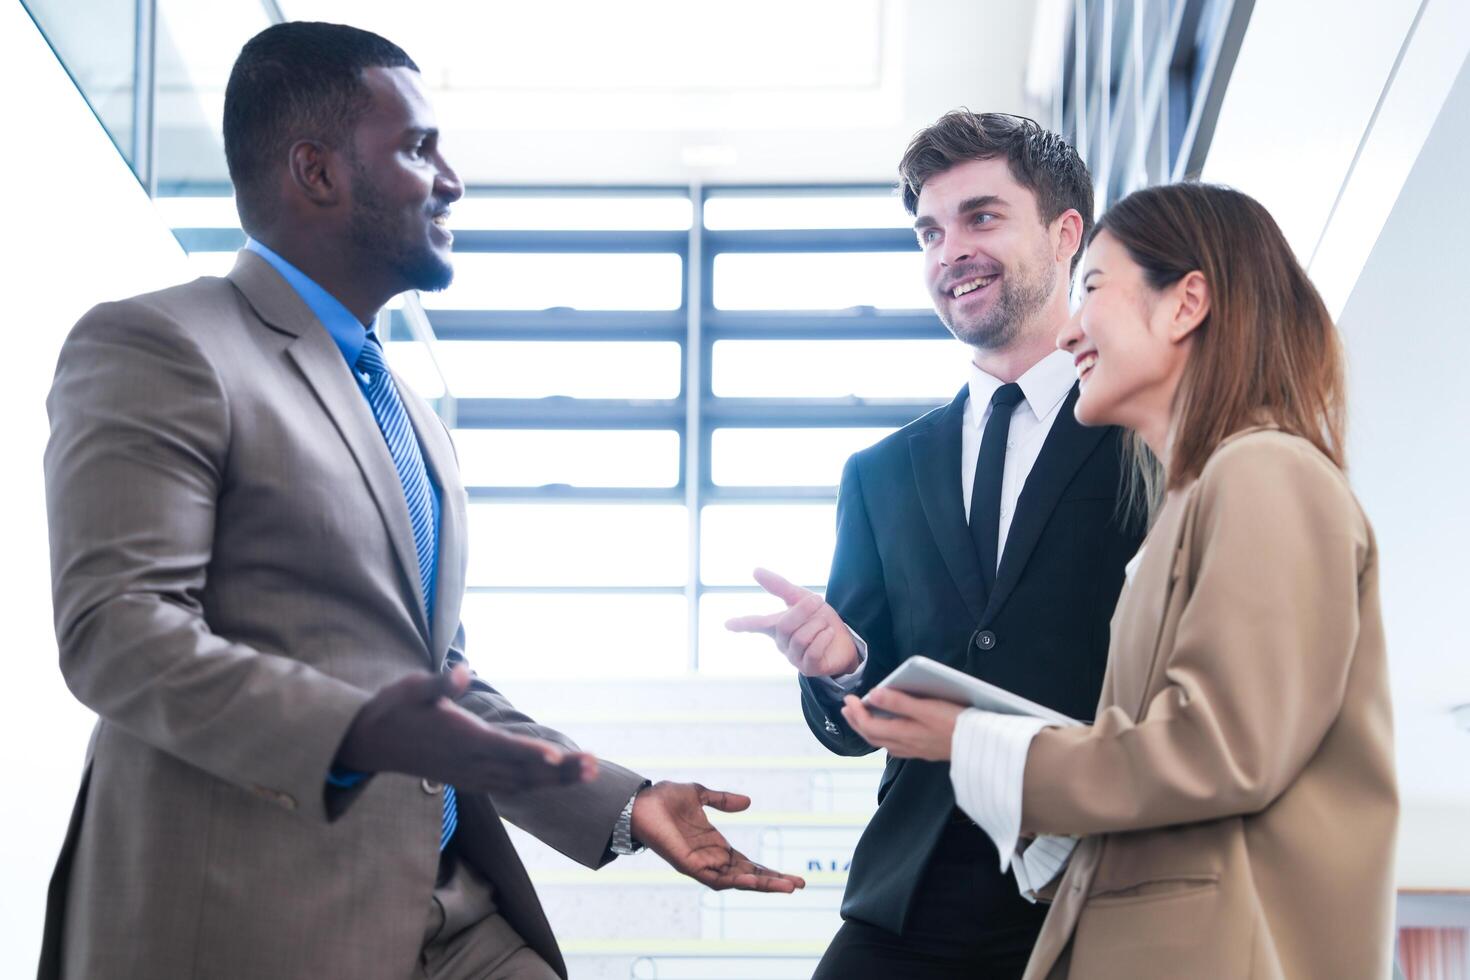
<point x="716" y="493"/>
<point x="751" y="590"/>
<point x="856" y="412"/>
<point x="812" y="240"/>
<point x="568" y="413"/>
<point x="561" y="492"/>
<point x="485" y="240"/>
<point x="210" y="239"/>
<point x="558" y="324"/>
<point x="575" y="589"/>
<point x="797" y="188"/>
<point x="861" y="323"/>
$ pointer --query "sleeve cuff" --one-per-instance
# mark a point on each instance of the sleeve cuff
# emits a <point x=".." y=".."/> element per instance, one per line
<point x="844" y="684"/>
<point x="1041" y="862"/>
<point x="987" y="768"/>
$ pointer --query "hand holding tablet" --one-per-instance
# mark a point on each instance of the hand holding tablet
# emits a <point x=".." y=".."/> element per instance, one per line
<point x="926" y="678"/>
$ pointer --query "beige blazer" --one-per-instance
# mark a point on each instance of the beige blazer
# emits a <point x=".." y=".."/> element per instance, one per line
<point x="1236" y="791"/>
<point x="233" y="574"/>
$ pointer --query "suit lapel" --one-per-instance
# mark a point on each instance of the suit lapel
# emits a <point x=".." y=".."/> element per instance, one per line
<point x="1067" y="445"/>
<point x="321" y="363"/>
<point x="935" y="451"/>
<point x="449" y="577"/>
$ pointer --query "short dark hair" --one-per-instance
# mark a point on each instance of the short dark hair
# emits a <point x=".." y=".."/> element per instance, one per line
<point x="297" y="80"/>
<point x="1040" y="160"/>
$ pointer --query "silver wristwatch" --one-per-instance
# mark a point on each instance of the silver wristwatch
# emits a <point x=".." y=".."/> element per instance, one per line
<point x="622" y="838"/>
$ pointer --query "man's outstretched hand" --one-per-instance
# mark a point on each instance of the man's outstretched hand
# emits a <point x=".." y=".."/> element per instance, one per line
<point x="413" y="726"/>
<point x="669" y="818"/>
<point x="809" y="633"/>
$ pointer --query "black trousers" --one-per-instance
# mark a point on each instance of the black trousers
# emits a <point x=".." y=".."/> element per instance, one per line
<point x="961" y="927"/>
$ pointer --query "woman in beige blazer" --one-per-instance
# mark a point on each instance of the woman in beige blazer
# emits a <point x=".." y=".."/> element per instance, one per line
<point x="1233" y="805"/>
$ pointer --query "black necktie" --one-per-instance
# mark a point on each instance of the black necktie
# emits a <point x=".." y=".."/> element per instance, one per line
<point x="989" y="471"/>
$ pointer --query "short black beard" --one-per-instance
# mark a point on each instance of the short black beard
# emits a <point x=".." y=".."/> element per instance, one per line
<point x="1021" y="297"/>
<point x="373" y="230"/>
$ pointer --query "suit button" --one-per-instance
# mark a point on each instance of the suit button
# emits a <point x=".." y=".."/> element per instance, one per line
<point x="985" y="640"/>
<point x="431" y="786"/>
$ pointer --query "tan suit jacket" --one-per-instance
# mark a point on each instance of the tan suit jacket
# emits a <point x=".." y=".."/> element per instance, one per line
<point x="233" y="575"/>
<point x="1237" y="788"/>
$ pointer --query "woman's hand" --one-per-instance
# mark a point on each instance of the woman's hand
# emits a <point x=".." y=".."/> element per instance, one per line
<point x="923" y="729"/>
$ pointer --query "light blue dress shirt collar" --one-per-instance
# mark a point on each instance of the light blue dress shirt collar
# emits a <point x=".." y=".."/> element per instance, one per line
<point x="346" y="330"/>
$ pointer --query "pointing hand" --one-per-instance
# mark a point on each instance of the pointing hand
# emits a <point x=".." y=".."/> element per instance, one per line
<point x="809" y="633"/>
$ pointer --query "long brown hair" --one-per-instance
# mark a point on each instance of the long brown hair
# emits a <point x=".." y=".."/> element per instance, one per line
<point x="1267" y="351"/>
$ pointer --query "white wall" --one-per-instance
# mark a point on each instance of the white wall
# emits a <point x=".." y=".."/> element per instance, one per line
<point x="1406" y="325"/>
<point x="78" y="229"/>
<point x="1353" y="129"/>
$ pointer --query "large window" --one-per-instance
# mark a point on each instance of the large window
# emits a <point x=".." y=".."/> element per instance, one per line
<point x="652" y="391"/>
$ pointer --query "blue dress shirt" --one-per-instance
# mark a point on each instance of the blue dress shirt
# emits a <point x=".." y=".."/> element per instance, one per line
<point x="349" y="336"/>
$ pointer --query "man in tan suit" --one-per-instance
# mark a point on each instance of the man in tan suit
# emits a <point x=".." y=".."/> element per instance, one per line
<point x="258" y="558"/>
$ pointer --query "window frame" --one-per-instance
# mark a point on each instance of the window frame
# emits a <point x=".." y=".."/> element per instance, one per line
<point x="696" y="326"/>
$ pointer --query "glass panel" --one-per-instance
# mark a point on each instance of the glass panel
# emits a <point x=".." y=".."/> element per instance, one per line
<point x="786" y="457"/>
<point x="839" y="368"/>
<point x="578" y="544"/>
<point x="412" y="362"/>
<point x="197" y="46"/>
<point x="793" y="540"/>
<point x="658" y="48"/>
<point x="752" y="212"/>
<point x="211" y="263"/>
<point x="820" y="280"/>
<point x="579" y="458"/>
<point x="507" y="635"/>
<point x="577" y="369"/>
<point x="198" y="212"/>
<point x="96" y="43"/>
<point x="573" y="212"/>
<point x="597" y="281"/>
<point x="738" y="654"/>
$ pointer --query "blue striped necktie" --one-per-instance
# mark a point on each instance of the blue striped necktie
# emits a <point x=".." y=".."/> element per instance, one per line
<point x="409" y="462"/>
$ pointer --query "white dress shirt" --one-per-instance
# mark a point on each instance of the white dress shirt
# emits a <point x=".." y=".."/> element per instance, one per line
<point x="988" y="768"/>
<point x="1045" y="386"/>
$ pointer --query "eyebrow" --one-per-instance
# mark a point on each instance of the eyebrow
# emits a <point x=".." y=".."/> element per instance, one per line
<point x="966" y="206"/>
<point x="983" y="201"/>
<point x="1090" y="272"/>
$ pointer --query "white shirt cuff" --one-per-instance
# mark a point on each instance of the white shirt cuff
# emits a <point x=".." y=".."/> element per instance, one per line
<point x="987" y="767"/>
<point x="1040" y="863"/>
<point x="844" y="684"/>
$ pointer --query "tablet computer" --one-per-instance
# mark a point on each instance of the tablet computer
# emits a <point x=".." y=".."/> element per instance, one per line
<point x="927" y="678"/>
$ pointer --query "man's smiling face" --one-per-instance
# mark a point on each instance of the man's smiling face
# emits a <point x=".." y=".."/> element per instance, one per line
<point x="987" y="254"/>
<point x="401" y="184"/>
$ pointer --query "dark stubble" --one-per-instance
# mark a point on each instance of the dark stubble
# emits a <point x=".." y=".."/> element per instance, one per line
<point x="376" y="230"/>
<point x="1024" y="291"/>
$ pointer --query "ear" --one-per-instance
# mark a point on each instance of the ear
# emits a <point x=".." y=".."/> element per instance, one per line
<point x="314" y="173"/>
<point x="1066" y="233"/>
<point x="1191" y="295"/>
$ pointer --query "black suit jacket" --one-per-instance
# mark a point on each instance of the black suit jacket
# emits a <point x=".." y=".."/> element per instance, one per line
<point x="906" y="578"/>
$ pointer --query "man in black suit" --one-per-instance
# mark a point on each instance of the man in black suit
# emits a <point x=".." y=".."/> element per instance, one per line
<point x="987" y="535"/>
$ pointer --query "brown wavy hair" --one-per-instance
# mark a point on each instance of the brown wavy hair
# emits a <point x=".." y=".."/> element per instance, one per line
<point x="1039" y="160"/>
<point x="1267" y="352"/>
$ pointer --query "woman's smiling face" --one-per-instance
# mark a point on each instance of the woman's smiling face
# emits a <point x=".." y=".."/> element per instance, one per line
<point x="1130" y="341"/>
